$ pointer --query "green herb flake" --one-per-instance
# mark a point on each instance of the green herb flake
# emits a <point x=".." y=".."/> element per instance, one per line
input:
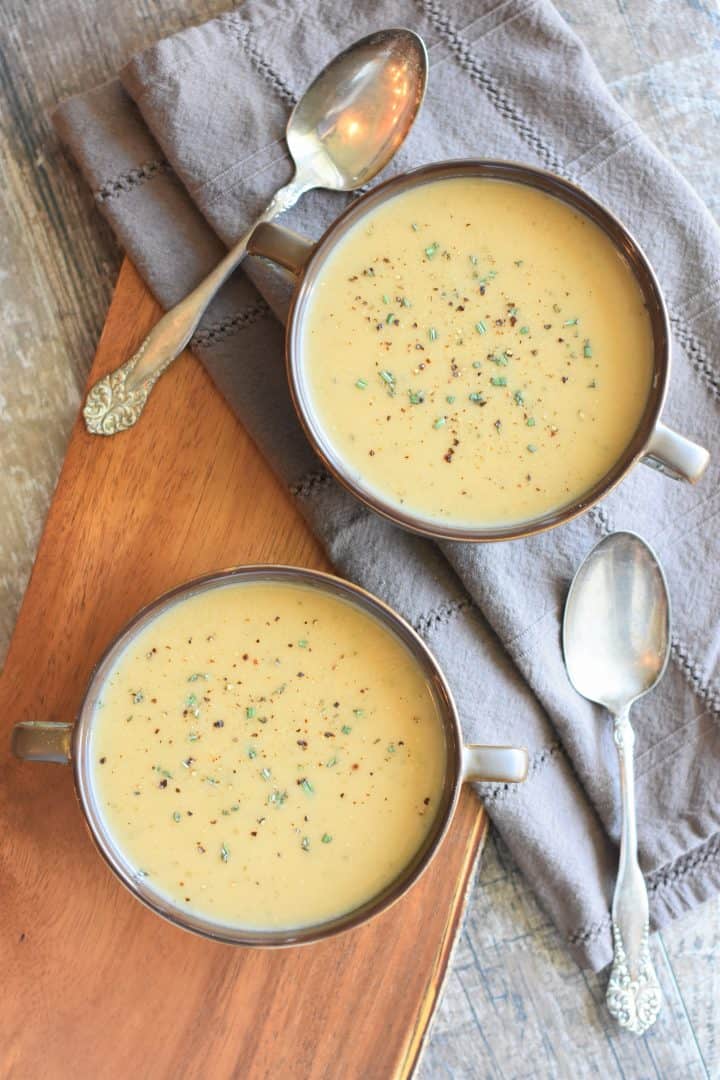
<point x="252" y="753"/>
<point x="432" y="333"/>
<point x="361" y="384"/>
<point x="326" y="838"/>
<point x="331" y="763"/>
<point x="277" y="798"/>
<point x="138" y="696"/>
<point x="501" y="359"/>
<point x="359" y="713"/>
<point x="303" y="643"/>
<point x="474" y="260"/>
<point x="177" y="816"/>
<point x="524" y="329"/>
<point x="571" y="322"/>
<point x="499" y="380"/>
<point x="386" y="298"/>
<point x="518" y="396"/>
<point x="346" y="729"/>
<point x="191" y="701"/>
<point x="432" y="250"/>
<point x="307" y="786"/>
<point x="389" y="379"/>
<point x="391" y="748"/>
<point x="305" y="843"/>
<point x="416" y="397"/>
<point x="390" y="319"/>
<point x="532" y="448"/>
<point x="198" y="675"/>
<point x="476" y="397"/>
<point x="404" y="302"/>
<point x="439" y="422"/>
<point x="250" y="712"/>
<point x="587" y="349"/>
<point x="225" y="853"/>
<point x="481" y="327"/>
<point x="450" y="399"/>
<point x="477" y="364"/>
<point x="193" y="736"/>
<point x="414" y="226"/>
<point x="265" y="773"/>
<point x="530" y="421"/>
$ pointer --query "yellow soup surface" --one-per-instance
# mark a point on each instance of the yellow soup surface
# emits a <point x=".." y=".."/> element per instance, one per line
<point x="477" y="352"/>
<point x="269" y="755"/>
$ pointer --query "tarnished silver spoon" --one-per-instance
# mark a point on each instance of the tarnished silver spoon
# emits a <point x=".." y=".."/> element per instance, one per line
<point x="342" y="132"/>
<point x="616" y="640"/>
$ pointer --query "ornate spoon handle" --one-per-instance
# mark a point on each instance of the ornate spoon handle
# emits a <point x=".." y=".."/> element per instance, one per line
<point x="633" y="993"/>
<point x="116" y="401"/>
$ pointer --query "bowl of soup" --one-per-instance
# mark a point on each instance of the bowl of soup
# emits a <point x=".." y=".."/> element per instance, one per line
<point x="478" y="350"/>
<point x="267" y="756"/>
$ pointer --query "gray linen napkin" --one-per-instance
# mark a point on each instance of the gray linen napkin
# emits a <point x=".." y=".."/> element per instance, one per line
<point x="182" y="152"/>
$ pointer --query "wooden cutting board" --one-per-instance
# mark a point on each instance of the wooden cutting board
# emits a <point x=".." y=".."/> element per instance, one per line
<point x="93" y="985"/>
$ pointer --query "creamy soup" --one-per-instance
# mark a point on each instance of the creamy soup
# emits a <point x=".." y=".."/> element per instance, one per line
<point x="268" y="755"/>
<point x="477" y="352"/>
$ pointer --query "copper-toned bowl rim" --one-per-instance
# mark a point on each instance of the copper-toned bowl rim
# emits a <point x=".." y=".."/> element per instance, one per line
<point x="578" y="199"/>
<point x="138" y="885"/>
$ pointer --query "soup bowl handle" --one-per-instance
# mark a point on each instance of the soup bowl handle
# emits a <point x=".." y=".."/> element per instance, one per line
<point x="284" y="247"/>
<point x="494" y="764"/>
<point x="675" y="456"/>
<point x="40" y="740"/>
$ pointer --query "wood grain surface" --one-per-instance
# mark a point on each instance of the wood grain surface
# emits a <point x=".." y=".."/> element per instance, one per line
<point x="94" y="985"/>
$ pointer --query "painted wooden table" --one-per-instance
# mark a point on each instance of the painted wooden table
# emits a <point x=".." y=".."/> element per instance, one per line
<point x="514" y="1005"/>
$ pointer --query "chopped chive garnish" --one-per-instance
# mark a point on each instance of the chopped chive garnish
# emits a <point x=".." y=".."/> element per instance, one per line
<point x="587" y="349"/>
<point x="474" y="260"/>
<point x="432" y="249"/>
<point x="305" y="843"/>
<point x="224" y="853"/>
<point x="571" y="322"/>
<point x="193" y="736"/>
<point x="404" y="301"/>
<point x="250" y="712"/>
<point x="499" y="380"/>
<point x="191" y="701"/>
<point x="414" y="226"/>
<point x="532" y="448"/>
<point x="265" y="773"/>
<point x="326" y="838"/>
<point x="358" y="712"/>
<point x="389" y="379"/>
<point x="432" y="333"/>
<point x="332" y="762"/>
<point x="386" y="298"/>
<point x="416" y="397"/>
<point x="361" y="384"/>
<point x="501" y="359"/>
<point x="440" y="422"/>
<point x="531" y="421"/>
<point x="519" y="399"/>
<point x="198" y="675"/>
<point x="524" y="329"/>
<point x="177" y="816"/>
<point x="302" y="644"/>
<point x="252" y="753"/>
<point x="481" y="327"/>
<point x="307" y="786"/>
<point x="390" y="318"/>
<point x="477" y="397"/>
<point x="391" y="748"/>
<point x="346" y="729"/>
<point x="138" y="696"/>
<point x="450" y="399"/>
<point x="477" y="364"/>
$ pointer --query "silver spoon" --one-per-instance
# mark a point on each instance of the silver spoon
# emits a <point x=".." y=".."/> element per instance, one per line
<point x="616" y="640"/>
<point x="342" y="132"/>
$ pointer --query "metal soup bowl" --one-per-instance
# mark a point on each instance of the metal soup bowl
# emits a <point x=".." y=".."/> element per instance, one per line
<point x="653" y="443"/>
<point x="66" y="742"/>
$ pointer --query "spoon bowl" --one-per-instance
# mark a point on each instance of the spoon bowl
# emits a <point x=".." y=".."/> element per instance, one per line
<point x="343" y="131"/>
<point x="616" y="629"/>
<point x="616" y="641"/>
<point x="352" y="119"/>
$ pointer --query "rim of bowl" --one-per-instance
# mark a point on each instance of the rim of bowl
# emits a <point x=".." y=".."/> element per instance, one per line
<point x="578" y="199"/>
<point x="138" y="885"/>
